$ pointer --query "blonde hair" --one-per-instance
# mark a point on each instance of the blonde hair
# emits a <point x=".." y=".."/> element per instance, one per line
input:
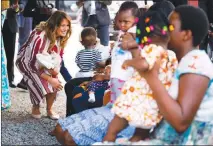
<point x="52" y="24"/>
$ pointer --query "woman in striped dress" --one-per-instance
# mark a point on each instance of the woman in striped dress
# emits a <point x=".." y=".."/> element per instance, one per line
<point x="47" y="37"/>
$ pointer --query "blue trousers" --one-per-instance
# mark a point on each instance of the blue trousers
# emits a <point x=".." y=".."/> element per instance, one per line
<point x="103" y="34"/>
<point x="25" y="27"/>
<point x="102" y="30"/>
<point x="80" y="104"/>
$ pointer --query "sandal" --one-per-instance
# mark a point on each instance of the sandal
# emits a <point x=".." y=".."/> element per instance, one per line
<point x="53" y="116"/>
<point x="37" y="115"/>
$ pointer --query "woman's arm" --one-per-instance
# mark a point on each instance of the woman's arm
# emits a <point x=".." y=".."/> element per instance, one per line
<point x="180" y="113"/>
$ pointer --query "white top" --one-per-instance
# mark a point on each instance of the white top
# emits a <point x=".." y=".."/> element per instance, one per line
<point x="118" y="57"/>
<point x="196" y="62"/>
<point x="90" y="7"/>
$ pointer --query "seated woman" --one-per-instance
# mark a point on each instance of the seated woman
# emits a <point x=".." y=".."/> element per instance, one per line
<point x="90" y="94"/>
<point x="73" y="83"/>
<point x="90" y="126"/>
<point x="187" y="108"/>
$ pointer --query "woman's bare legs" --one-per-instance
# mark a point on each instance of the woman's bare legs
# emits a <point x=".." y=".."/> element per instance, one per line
<point x="140" y="134"/>
<point x="115" y="127"/>
<point x="50" y="98"/>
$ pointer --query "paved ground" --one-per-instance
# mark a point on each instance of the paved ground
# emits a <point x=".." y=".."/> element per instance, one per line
<point x="18" y="127"/>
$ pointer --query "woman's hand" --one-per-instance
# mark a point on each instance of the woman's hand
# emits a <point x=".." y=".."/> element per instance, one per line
<point x="53" y="72"/>
<point x="150" y="74"/>
<point x="55" y="83"/>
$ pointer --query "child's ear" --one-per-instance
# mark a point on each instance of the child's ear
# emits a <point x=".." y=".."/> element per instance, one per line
<point x="187" y="35"/>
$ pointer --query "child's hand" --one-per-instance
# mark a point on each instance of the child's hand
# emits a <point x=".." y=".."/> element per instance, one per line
<point x="126" y="39"/>
<point x="125" y="65"/>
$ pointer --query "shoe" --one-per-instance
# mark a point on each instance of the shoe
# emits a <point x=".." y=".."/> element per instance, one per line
<point x="12" y="85"/>
<point x="22" y="86"/>
<point x="53" y="116"/>
<point x="36" y="116"/>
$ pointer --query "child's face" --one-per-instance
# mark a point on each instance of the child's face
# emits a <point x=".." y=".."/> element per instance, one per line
<point x="125" y="20"/>
<point x="177" y="35"/>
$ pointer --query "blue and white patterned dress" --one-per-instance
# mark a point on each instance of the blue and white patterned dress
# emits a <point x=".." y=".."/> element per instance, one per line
<point x="5" y="93"/>
<point x="91" y="125"/>
<point x="200" y="132"/>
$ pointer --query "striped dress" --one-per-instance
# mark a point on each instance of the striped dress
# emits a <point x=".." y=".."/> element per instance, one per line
<point x="27" y="64"/>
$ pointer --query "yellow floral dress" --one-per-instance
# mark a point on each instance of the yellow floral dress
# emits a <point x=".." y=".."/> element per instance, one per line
<point x="136" y="103"/>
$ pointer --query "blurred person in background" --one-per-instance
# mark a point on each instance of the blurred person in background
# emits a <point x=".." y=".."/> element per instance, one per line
<point x="9" y="30"/>
<point x="207" y="6"/>
<point x="176" y="3"/>
<point x="25" y="27"/>
<point x="95" y="14"/>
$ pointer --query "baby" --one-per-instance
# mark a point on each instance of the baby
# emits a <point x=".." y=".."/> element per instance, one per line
<point x="136" y="105"/>
<point x="89" y="58"/>
<point x="99" y="81"/>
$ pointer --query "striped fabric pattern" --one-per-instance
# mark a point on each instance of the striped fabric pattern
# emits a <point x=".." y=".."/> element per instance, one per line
<point x="87" y="59"/>
<point x="26" y="63"/>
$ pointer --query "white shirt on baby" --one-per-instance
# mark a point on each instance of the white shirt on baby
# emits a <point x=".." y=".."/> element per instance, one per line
<point x="118" y="57"/>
